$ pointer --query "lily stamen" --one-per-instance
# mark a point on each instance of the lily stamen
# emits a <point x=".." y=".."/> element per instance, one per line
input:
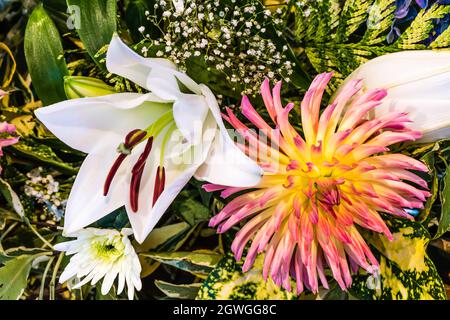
<point x="131" y="140"/>
<point x="136" y="176"/>
<point x="160" y="181"/>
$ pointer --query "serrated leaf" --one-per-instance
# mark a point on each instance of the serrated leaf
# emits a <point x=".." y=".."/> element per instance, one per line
<point x="97" y="24"/>
<point x="13" y="277"/>
<point x="200" y="262"/>
<point x="45" y="57"/>
<point x="442" y="41"/>
<point x="421" y="27"/>
<point x="12" y="198"/>
<point x="340" y="39"/>
<point x="178" y="291"/>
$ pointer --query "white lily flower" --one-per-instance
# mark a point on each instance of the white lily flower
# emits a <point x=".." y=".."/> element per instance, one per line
<point x="102" y="253"/>
<point x="151" y="168"/>
<point x="418" y="83"/>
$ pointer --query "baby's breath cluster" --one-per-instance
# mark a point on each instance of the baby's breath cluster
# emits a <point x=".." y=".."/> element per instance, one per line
<point x="46" y="191"/>
<point x="233" y="37"/>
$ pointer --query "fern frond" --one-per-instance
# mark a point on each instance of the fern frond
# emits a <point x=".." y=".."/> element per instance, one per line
<point x="318" y="22"/>
<point x="421" y="27"/>
<point x="380" y="19"/>
<point x="342" y="40"/>
<point x="354" y="14"/>
<point x="442" y="41"/>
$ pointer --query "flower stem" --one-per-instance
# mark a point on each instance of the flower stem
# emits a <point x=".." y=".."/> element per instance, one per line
<point x="32" y="228"/>
<point x="44" y="276"/>
<point x="55" y="273"/>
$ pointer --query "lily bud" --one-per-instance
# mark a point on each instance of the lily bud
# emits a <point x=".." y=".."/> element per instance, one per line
<point x="81" y="87"/>
<point x="417" y="83"/>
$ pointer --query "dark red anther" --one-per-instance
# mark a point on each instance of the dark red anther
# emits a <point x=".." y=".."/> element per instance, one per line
<point x="112" y="172"/>
<point x="160" y="181"/>
<point x="130" y="135"/>
<point x="133" y="138"/>
<point x="134" y="189"/>
<point x="136" y="175"/>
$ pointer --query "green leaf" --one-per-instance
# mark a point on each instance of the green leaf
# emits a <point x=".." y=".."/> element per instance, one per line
<point x="429" y="160"/>
<point x="406" y="272"/>
<point x="135" y="18"/>
<point x="97" y="24"/>
<point x="45" y="57"/>
<point x="228" y="282"/>
<point x="178" y="291"/>
<point x="200" y="262"/>
<point x="117" y="219"/>
<point x="43" y="154"/>
<point x="444" y="221"/>
<point x="6" y="215"/>
<point x="12" y="198"/>
<point x="13" y="277"/>
<point x="167" y="238"/>
<point x="190" y="209"/>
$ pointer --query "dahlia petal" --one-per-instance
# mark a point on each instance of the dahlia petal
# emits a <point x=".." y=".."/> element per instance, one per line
<point x="315" y="191"/>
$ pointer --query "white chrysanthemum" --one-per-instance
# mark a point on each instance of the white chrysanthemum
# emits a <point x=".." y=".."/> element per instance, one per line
<point x="102" y="253"/>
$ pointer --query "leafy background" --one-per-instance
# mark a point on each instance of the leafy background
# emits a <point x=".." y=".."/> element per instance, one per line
<point x="183" y="258"/>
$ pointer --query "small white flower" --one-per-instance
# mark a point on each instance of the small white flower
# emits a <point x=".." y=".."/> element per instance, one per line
<point x="102" y="253"/>
<point x="179" y="6"/>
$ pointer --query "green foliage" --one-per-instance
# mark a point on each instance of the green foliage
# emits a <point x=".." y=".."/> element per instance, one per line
<point x="165" y="239"/>
<point x="97" y="24"/>
<point x="444" y="221"/>
<point x="45" y="58"/>
<point x="435" y="156"/>
<point x="339" y="36"/>
<point x="178" y="291"/>
<point x="228" y="282"/>
<point x="199" y="262"/>
<point x="42" y="154"/>
<point x="421" y="27"/>
<point x="191" y="210"/>
<point x="406" y="272"/>
<point x="13" y="277"/>
<point x="12" y="198"/>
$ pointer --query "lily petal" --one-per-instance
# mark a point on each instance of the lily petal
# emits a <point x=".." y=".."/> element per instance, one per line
<point x="86" y="203"/>
<point x="178" y="174"/>
<point x="87" y="122"/>
<point x="226" y="163"/>
<point x="155" y="74"/>
<point x="123" y="61"/>
<point x="396" y="69"/>
<point x="430" y="116"/>
<point x="189" y="113"/>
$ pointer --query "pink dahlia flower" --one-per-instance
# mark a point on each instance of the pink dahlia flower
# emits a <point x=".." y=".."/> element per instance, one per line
<point x="6" y="130"/>
<point x="319" y="187"/>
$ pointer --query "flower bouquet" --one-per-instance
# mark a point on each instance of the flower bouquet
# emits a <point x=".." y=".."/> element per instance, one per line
<point x="225" y="149"/>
